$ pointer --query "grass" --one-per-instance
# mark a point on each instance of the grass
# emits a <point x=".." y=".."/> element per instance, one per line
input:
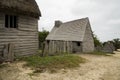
<point x="52" y="63"/>
<point x="99" y="53"/>
<point x="3" y="65"/>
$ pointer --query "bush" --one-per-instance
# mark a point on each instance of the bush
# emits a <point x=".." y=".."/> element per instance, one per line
<point x="42" y="36"/>
<point x="53" y="62"/>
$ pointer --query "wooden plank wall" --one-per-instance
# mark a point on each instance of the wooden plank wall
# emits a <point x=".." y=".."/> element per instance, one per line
<point x="88" y="41"/>
<point x="25" y="37"/>
<point x="57" y="47"/>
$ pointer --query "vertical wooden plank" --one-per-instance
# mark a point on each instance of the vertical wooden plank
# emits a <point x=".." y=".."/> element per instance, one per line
<point x="46" y="49"/>
<point x="53" y="48"/>
<point x="57" y="47"/>
<point x="64" y="46"/>
<point x="71" y="46"/>
<point x="60" y="47"/>
<point x="50" y="48"/>
<point x="68" y="47"/>
<point x="5" y="52"/>
<point x="11" y="52"/>
<point x="8" y="52"/>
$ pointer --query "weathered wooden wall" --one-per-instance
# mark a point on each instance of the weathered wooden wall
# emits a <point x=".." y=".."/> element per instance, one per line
<point x="88" y="42"/>
<point x="25" y="37"/>
<point x="57" y="47"/>
<point x="77" y="48"/>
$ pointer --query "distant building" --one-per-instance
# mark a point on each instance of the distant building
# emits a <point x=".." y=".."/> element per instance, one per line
<point x="74" y="36"/>
<point x="108" y="47"/>
<point x="19" y="27"/>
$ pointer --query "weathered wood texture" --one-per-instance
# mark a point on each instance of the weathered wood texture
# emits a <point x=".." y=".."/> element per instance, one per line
<point x="57" y="47"/>
<point x="77" y="48"/>
<point x="88" y="42"/>
<point x="25" y="37"/>
<point x="8" y="52"/>
<point x="77" y="31"/>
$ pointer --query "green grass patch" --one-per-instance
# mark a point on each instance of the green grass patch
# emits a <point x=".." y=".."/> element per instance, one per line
<point x="52" y="63"/>
<point x="99" y="53"/>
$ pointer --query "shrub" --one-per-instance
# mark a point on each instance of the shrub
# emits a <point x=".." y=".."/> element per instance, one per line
<point x="53" y="62"/>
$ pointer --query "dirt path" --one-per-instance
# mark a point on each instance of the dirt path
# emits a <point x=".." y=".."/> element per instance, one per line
<point x="97" y="68"/>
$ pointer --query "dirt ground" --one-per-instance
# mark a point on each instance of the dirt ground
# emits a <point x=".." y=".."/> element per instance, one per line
<point x="96" y="68"/>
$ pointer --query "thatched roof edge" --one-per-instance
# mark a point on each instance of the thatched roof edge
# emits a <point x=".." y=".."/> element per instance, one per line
<point x="23" y="7"/>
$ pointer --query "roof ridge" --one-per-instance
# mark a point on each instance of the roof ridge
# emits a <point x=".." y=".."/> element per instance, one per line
<point x="86" y="18"/>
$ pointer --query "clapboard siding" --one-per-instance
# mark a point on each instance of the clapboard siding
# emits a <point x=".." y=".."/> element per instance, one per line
<point x="88" y="42"/>
<point x="1" y="20"/>
<point x="17" y="33"/>
<point x="25" y="37"/>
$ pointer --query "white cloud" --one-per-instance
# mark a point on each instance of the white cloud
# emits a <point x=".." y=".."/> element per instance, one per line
<point x="103" y="15"/>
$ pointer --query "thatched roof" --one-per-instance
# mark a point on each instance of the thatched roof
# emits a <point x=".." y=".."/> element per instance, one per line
<point x="69" y="31"/>
<point x="24" y="7"/>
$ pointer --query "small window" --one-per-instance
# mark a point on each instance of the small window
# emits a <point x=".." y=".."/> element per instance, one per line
<point x="11" y="21"/>
<point x="78" y="44"/>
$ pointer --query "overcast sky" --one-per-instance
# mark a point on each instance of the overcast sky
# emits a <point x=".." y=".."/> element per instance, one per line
<point x="104" y="15"/>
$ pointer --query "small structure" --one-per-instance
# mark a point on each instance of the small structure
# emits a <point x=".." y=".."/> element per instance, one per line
<point x="18" y="27"/>
<point x="108" y="47"/>
<point x="71" y="37"/>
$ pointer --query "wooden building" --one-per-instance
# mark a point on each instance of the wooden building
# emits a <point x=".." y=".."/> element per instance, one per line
<point x="71" y="37"/>
<point x="18" y="27"/>
<point x="108" y="47"/>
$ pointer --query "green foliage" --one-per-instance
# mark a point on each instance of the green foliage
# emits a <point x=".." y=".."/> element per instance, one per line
<point x="42" y="35"/>
<point x="96" y="41"/>
<point x="53" y="62"/>
<point x="116" y="43"/>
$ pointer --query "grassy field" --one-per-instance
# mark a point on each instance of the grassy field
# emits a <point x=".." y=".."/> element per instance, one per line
<point x="52" y="63"/>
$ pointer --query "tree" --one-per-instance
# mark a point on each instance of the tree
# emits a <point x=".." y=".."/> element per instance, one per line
<point x="116" y="43"/>
<point x="96" y="40"/>
<point x="42" y="36"/>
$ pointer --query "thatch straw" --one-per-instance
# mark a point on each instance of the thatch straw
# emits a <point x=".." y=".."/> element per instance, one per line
<point x="24" y="7"/>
